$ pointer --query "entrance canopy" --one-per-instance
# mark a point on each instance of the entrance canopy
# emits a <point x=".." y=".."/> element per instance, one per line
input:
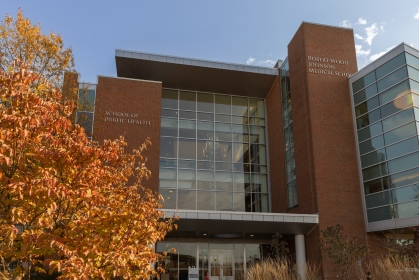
<point x="239" y="225"/>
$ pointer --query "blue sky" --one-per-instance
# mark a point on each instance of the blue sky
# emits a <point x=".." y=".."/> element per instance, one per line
<point x="237" y="31"/>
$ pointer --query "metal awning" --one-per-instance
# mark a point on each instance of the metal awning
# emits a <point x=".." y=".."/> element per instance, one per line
<point x="223" y="224"/>
<point x="196" y="75"/>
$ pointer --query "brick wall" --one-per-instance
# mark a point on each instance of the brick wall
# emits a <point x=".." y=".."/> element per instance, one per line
<point x="140" y="103"/>
<point x="325" y="153"/>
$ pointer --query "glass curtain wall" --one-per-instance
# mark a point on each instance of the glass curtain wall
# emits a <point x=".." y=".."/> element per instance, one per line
<point x="86" y="109"/>
<point x="288" y="136"/>
<point x="213" y="152"/>
<point x="221" y="261"/>
<point x="386" y="109"/>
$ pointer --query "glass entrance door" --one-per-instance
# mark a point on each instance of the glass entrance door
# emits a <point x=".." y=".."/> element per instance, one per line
<point x="221" y="264"/>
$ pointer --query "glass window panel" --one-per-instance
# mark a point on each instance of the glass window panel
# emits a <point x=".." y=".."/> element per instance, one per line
<point x="394" y="92"/>
<point x="370" y="131"/>
<point x="259" y="183"/>
<point x="205" y="102"/>
<point x="259" y="168"/>
<point x="205" y="116"/>
<point x="223" y="132"/>
<point x="240" y="133"/>
<point x="222" y="104"/>
<point x="284" y="86"/>
<point x="248" y="202"/>
<point x="404" y="178"/>
<point x="187" y="148"/>
<point x="169" y="98"/>
<point x="390" y="66"/>
<point x="239" y="106"/>
<point x="413" y="73"/>
<point x="369" y="118"/>
<point x="224" y="181"/>
<point x="187" y="256"/>
<point x="373" y="158"/>
<point x="169" y="196"/>
<point x="223" y="151"/>
<point x="86" y="100"/>
<point x="402" y="148"/>
<point x="224" y="166"/>
<point x="224" y="201"/>
<point x="415" y="98"/>
<point x="166" y="162"/>
<point x="365" y="93"/>
<point x="408" y="209"/>
<point x="187" y="129"/>
<point x="371" y="144"/>
<point x="397" y="105"/>
<point x="187" y="199"/>
<point x="241" y="182"/>
<point x="168" y="127"/>
<point x="241" y="167"/>
<point x="168" y="147"/>
<point x="85" y="120"/>
<point x="363" y="82"/>
<point x="393" y="196"/>
<point x="256" y="108"/>
<point x="253" y="254"/>
<point x="168" y="184"/>
<point x="186" y="179"/>
<point x="416" y="113"/>
<point x="259" y="202"/>
<point x="377" y="185"/>
<point x="206" y="200"/>
<point x="187" y="115"/>
<point x="167" y="173"/>
<point x="398" y="119"/>
<point x="189" y="164"/>
<point x="169" y="113"/>
<point x="187" y="100"/>
<point x="238" y="119"/>
<point x="257" y="121"/>
<point x="379" y="214"/>
<point x="258" y="154"/>
<point x="240" y="152"/>
<point x="414" y="86"/>
<point x="205" y="150"/>
<point x="239" y="202"/>
<point x="403" y="163"/>
<point x="205" y="165"/>
<point x="378" y="170"/>
<point x="205" y="130"/>
<point x="392" y="79"/>
<point x="366" y="106"/>
<point x="400" y="133"/>
<point x="223" y="118"/>
<point x="412" y="60"/>
<point x="205" y="180"/>
<point x="257" y="134"/>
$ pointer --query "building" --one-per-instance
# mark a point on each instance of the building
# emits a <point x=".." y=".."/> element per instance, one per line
<point x="238" y="161"/>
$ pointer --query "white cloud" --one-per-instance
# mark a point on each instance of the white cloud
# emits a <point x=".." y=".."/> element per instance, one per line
<point x="357" y="36"/>
<point x="416" y="16"/>
<point x="345" y="23"/>
<point x="362" y="21"/>
<point x="377" y="55"/>
<point x="360" y="51"/>
<point x="382" y="26"/>
<point x="371" y="32"/>
<point x="250" y="60"/>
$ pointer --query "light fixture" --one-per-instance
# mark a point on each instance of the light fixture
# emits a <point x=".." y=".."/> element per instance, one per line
<point x="251" y="235"/>
<point x="204" y="234"/>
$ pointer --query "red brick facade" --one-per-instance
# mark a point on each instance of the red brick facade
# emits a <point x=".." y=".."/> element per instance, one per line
<point x="130" y="108"/>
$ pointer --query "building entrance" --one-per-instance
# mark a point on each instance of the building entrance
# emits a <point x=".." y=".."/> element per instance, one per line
<point x="221" y="264"/>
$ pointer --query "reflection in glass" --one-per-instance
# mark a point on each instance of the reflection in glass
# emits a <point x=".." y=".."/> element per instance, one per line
<point x="187" y="100"/>
<point x="169" y="98"/>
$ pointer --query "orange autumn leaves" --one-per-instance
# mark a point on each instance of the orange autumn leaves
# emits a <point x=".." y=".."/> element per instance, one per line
<point x="81" y="204"/>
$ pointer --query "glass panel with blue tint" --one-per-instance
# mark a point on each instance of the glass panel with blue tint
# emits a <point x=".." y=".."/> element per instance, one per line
<point x="371" y="144"/>
<point x="369" y="118"/>
<point x="373" y="158"/>
<point x="397" y="105"/>
<point x="402" y="148"/>
<point x="390" y="66"/>
<point x="363" y="82"/>
<point x="403" y="163"/>
<point x="187" y="100"/>
<point x="377" y="185"/>
<point x="393" y="196"/>
<point x="169" y="99"/>
<point x="378" y="170"/>
<point x="392" y="79"/>
<point x="398" y="119"/>
<point x="412" y="60"/>
<point x="86" y="100"/>
<point x="394" y="92"/>
<point x="365" y="93"/>
<point x="400" y="133"/>
<point x="367" y="106"/>
<point x="405" y="210"/>
<point x="169" y="196"/>
<point x="85" y="120"/>
<point x="379" y="214"/>
<point x="413" y="73"/>
<point x="370" y="131"/>
<point x="414" y="86"/>
<point x="168" y="127"/>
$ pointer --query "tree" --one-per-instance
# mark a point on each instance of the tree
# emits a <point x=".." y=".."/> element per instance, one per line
<point x="44" y="54"/>
<point x="343" y="251"/>
<point x="79" y="205"/>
